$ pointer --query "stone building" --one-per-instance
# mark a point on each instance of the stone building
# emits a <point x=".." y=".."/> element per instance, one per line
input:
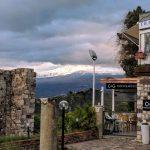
<point x="17" y="101"/>
<point x="143" y="73"/>
<point x="139" y="35"/>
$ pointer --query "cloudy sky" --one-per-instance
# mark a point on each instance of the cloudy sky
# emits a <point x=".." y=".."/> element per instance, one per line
<point x="55" y="35"/>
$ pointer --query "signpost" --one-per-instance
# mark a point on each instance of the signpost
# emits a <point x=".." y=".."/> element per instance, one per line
<point x="146" y="105"/>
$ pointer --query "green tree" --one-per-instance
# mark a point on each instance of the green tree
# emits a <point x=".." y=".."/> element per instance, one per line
<point x="132" y="17"/>
<point x="36" y="123"/>
<point x="127" y="52"/>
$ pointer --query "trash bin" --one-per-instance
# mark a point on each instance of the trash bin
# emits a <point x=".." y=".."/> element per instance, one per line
<point x="145" y="133"/>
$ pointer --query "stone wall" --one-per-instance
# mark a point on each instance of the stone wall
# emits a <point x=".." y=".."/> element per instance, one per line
<point x="79" y="137"/>
<point x="143" y="92"/>
<point x="34" y="144"/>
<point x="5" y="98"/>
<point x="17" y="100"/>
<point x="30" y="144"/>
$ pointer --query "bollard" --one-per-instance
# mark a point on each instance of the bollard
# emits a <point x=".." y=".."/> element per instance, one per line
<point x="145" y="133"/>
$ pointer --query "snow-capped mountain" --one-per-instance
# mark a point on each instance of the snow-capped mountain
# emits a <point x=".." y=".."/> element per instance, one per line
<point x="61" y="79"/>
<point x="48" y="69"/>
<point x="58" y="85"/>
<point x="79" y="69"/>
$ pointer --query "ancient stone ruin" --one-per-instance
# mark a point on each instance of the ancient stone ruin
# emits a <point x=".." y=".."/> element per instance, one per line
<point x="17" y="101"/>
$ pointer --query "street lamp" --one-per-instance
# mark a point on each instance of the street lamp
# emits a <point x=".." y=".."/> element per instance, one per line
<point x="63" y="105"/>
<point x="94" y="57"/>
<point x="28" y="130"/>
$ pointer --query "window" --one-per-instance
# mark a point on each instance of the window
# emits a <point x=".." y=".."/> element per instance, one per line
<point x="145" y="42"/>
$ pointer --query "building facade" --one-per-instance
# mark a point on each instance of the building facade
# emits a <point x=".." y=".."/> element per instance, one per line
<point x="144" y="37"/>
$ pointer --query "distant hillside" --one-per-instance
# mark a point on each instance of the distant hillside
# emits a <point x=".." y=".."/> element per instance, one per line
<point x="85" y="97"/>
<point x="61" y="85"/>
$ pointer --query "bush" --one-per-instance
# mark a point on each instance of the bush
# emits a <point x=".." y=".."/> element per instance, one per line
<point x="36" y="123"/>
<point x="81" y="119"/>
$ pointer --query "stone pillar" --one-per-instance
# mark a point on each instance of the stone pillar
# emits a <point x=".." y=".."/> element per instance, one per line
<point x="99" y="119"/>
<point x="48" y="135"/>
<point x="143" y="92"/>
<point x="23" y="101"/>
<point x="17" y="101"/>
<point x="113" y="100"/>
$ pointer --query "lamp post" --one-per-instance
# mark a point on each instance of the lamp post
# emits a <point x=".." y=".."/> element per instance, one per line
<point x="94" y="57"/>
<point x="63" y="105"/>
<point x="28" y="130"/>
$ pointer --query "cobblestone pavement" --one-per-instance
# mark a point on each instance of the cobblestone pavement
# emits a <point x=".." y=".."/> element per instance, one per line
<point x="110" y="143"/>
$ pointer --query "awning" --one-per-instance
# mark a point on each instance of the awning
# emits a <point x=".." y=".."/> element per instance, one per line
<point x="119" y="80"/>
<point x="133" y="31"/>
<point x="132" y="34"/>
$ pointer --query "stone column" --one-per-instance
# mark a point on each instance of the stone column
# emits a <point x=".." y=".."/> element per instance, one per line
<point x="99" y="119"/>
<point x="48" y="135"/>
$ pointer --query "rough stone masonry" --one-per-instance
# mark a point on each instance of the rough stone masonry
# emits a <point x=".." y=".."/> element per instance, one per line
<point x="17" y="101"/>
<point x="143" y="92"/>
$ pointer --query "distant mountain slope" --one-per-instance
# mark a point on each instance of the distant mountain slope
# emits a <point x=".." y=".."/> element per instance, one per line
<point x="59" y="85"/>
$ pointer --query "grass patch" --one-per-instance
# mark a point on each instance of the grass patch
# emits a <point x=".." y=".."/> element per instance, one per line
<point x="4" y="139"/>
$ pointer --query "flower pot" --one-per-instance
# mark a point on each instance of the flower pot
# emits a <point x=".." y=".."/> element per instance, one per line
<point x="145" y="133"/>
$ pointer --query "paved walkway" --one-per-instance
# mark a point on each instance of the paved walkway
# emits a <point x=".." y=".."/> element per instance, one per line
<point x="110" y="143"/>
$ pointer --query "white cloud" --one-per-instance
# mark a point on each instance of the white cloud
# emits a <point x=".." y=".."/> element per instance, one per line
<point x="48" y="69"/>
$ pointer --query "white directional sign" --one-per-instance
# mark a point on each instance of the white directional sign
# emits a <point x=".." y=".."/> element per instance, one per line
<point x="144" y="24"/>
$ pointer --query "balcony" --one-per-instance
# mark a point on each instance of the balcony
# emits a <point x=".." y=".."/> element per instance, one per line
<point x="142" y="70"/>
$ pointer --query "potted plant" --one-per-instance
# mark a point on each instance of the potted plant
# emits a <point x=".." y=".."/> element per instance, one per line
<point x="145" y="132"/>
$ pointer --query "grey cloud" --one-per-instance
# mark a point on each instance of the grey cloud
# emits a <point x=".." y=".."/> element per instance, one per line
<point x="61" y="31"/>
<point x="65" y="47"/>
<point x="20" y="15"/>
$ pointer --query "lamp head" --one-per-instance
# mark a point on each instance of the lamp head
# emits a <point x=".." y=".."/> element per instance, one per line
<point x="93" y="54"/>
<point x="63" y="104"/>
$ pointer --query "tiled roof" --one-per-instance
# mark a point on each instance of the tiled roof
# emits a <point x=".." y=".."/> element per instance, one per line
<point x="131" y="34"/>
<point x="144" y="16"/>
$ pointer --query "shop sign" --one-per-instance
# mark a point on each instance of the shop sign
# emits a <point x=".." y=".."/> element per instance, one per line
<point x="121" y="86"/>
<point x="146" y="105"/>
